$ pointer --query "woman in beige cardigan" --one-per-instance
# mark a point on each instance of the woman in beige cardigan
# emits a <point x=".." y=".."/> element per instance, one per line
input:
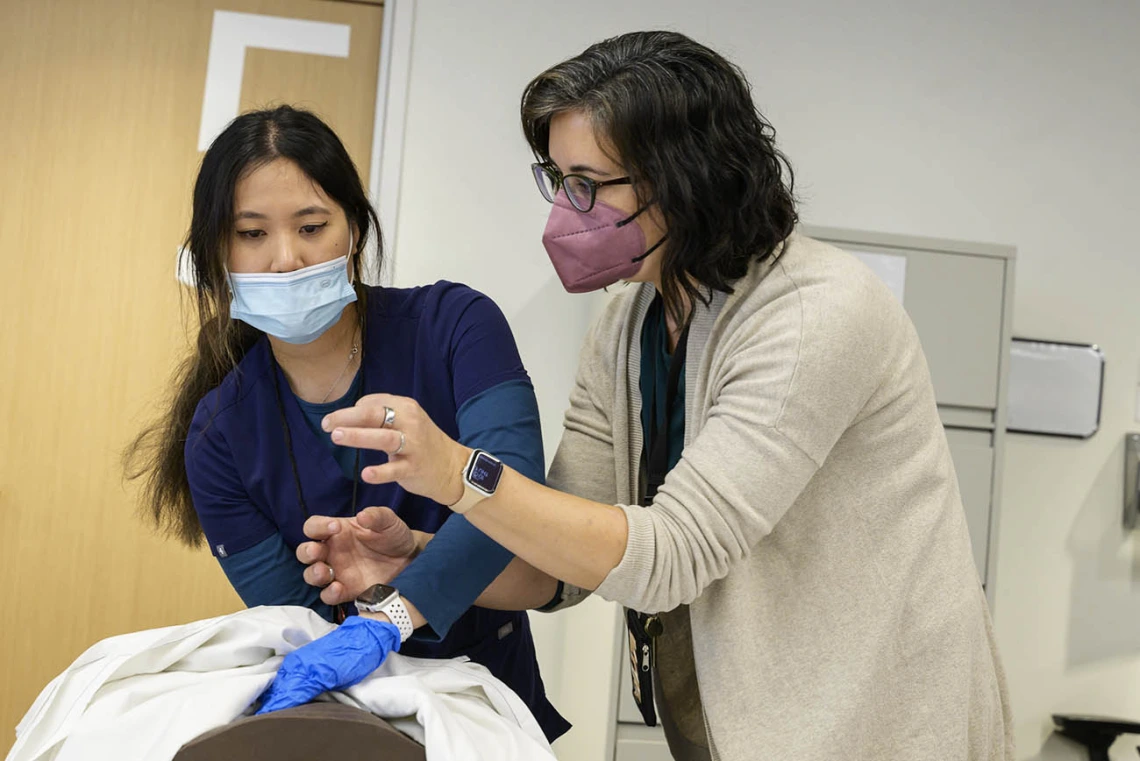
<point x="804" y="570"/>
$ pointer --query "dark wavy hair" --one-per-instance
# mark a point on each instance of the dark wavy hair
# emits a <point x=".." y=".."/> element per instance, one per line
<point x="250" y="141"/>
<point x="682" y="120"/>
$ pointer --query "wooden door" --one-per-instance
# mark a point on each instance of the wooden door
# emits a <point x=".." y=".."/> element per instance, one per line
<point x="99" y="146"/>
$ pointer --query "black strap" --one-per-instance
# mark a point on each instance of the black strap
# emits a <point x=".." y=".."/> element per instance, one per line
<point x="644" y="629"/>
<point x="340" y="612"/>
<point x="658" y="444"/>
<point x="289" y="439"/>
<point x="642" y="656"/>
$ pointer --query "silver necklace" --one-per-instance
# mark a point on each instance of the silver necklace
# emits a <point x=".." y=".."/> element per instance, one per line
<point x="351" y="356"/>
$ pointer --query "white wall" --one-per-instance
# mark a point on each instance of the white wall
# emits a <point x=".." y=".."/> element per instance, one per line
<point x="1014" y="122"/>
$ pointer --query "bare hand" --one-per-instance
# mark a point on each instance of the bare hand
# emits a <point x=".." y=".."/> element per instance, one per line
<point x="348" y="555"/>
<point x="421" y="458"/>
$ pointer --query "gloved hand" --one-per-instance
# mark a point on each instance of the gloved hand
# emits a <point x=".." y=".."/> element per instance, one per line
<point x="339" y="659"/>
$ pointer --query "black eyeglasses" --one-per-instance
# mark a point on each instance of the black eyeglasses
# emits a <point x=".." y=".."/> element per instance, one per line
<point x="580" y="189"/>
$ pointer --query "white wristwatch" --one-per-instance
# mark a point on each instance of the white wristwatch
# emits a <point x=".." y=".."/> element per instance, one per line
<point x="481" y="477"/>
<point x="381" y="598"/>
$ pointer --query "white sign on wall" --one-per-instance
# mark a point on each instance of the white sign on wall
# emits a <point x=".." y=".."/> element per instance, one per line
<point x="230" y="36"/>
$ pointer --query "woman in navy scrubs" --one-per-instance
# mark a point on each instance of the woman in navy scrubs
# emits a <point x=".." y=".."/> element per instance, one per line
<point x="289" y="333"/>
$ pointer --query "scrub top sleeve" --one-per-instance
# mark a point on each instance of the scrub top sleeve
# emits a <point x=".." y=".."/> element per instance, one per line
<point x="231" y="522"/>
<point x="461" y="561"/>
<point x="481" y="350"/>
<point x="504" y="421"/>
<point x="269" y="573"/>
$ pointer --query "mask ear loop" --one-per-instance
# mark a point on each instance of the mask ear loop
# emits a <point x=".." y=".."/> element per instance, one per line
<point x="634" y="216"/>
<point x="230" y="285"/>
<point x="350" y="258"/>
<point x="652" y="248"/>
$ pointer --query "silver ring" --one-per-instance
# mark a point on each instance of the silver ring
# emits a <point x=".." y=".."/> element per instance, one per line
<point x="389" y="418"/>
<point x="332" y="574"/>
<point x="403" y="441"/>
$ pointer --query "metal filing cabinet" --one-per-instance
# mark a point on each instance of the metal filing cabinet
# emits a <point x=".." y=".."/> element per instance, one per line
<point x="960" y="297"/>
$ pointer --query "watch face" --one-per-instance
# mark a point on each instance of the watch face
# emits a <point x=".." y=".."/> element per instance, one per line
<point x="485" y="472"/>
<point x="376" y="594"/>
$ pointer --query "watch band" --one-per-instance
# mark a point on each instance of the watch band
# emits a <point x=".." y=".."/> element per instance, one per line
<point x="398" y="614"/>
<point x="480" y="477"/>
<point x="470" y="498"/>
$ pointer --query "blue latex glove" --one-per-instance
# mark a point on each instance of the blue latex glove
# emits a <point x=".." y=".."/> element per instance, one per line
<point x="337" y="660"/>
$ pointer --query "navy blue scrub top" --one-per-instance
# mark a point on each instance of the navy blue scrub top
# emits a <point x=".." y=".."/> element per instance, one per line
<point x="449" y="348"/>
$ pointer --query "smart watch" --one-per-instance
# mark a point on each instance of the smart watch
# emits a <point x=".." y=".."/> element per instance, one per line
<point x="381" y="598"/>
<point x="481" y="477"/>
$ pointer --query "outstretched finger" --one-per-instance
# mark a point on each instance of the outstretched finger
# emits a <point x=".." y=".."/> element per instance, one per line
<point x="388" y="473"/>
<point x="376" y="439"/>
<point x="369" y="412"/>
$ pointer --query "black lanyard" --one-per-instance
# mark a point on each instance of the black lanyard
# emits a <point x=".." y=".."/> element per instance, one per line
<point x="658" y="444"/>
<point x="644" y="629"/>
<point x="339" y="611"/>
<point x="289" y="439"/>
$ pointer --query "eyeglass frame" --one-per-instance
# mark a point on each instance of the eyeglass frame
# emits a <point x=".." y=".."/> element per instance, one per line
<point x="560" y="179"/>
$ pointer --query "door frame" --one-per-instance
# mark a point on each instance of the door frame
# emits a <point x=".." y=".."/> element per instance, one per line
<point x="389" y="122"/>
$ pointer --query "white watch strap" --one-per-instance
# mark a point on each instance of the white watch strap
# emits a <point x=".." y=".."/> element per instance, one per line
<point x="398" y="614"/>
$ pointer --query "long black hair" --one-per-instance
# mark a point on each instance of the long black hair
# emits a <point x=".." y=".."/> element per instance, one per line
<point x="682" y="120"/>
<point x="250" y="141"/>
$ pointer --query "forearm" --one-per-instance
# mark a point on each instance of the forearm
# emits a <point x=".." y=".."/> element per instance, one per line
<point x="463" y="562"/>
<point x="567" y="537"/>
<point x="520" y="586"/>
<point x="448" y="575"/>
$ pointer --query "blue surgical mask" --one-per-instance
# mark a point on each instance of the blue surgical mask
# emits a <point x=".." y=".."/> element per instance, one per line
<point x="297" y="306"/>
